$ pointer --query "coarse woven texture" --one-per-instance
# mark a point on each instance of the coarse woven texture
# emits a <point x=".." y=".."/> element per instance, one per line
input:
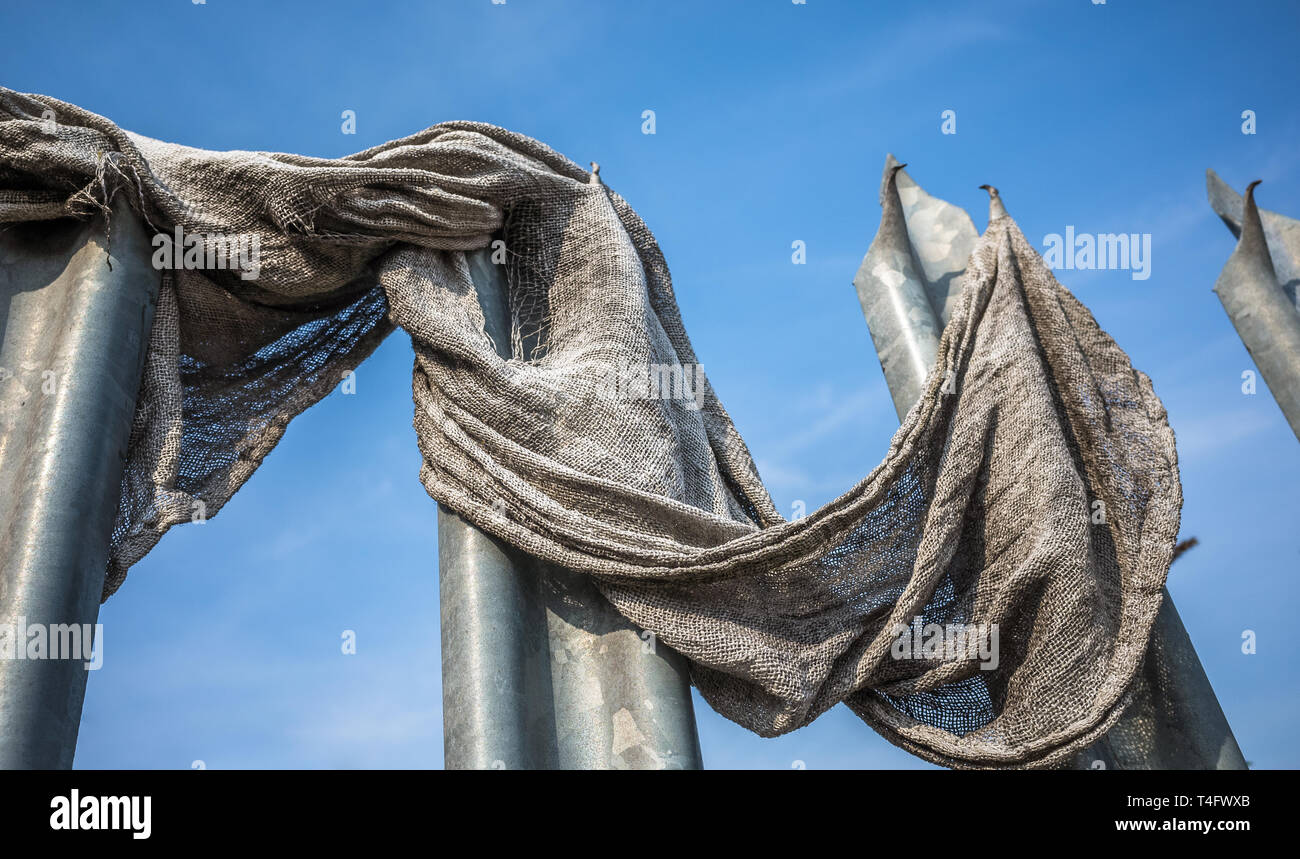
<point x="983" y="512"/>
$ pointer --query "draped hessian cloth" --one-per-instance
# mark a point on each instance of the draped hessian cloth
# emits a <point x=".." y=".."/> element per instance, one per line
<point x="984" y="511"/>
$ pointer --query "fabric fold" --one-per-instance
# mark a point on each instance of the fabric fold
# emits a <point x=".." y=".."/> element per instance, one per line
<point x="600" y="446"/>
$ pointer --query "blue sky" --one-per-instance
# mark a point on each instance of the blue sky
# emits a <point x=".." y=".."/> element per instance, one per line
<point x="773" y="121"/>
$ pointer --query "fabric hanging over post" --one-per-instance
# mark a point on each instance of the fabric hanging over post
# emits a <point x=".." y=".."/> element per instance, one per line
<point x="907" y="285"/>
<point x="573" y="450"/>
<point x="539" y="671"/>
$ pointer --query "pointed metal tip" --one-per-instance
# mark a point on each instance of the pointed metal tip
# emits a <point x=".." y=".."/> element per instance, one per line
<point x="1214" y="185"/>
<point x="996" y="209"/>
<point x="1250" y="221"/>
<point x="1224" y="201"/>
<point x="1253" y="240"/>
<point x="889" y="182"/>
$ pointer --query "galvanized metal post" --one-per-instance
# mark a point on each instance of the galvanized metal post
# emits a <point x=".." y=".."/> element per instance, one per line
<point x="1281" y="234"/>
<point x="907" y="285"/>
<point x="1174" y="721"/>
<point x="75" y="311"/>
<point x="1253" y="288"/>
<point x="539" y="670"/>
<point x="496" y="682"/>
<point x="905" y="305"/>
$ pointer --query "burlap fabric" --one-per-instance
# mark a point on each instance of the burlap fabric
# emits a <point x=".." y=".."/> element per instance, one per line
<point x="982" y="513"/>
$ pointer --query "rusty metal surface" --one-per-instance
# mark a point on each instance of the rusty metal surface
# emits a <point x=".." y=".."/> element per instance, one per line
<point x="75" y="311"/>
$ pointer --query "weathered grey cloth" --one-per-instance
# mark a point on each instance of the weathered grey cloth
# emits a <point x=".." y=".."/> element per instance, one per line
<point x="984" y="511"/>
